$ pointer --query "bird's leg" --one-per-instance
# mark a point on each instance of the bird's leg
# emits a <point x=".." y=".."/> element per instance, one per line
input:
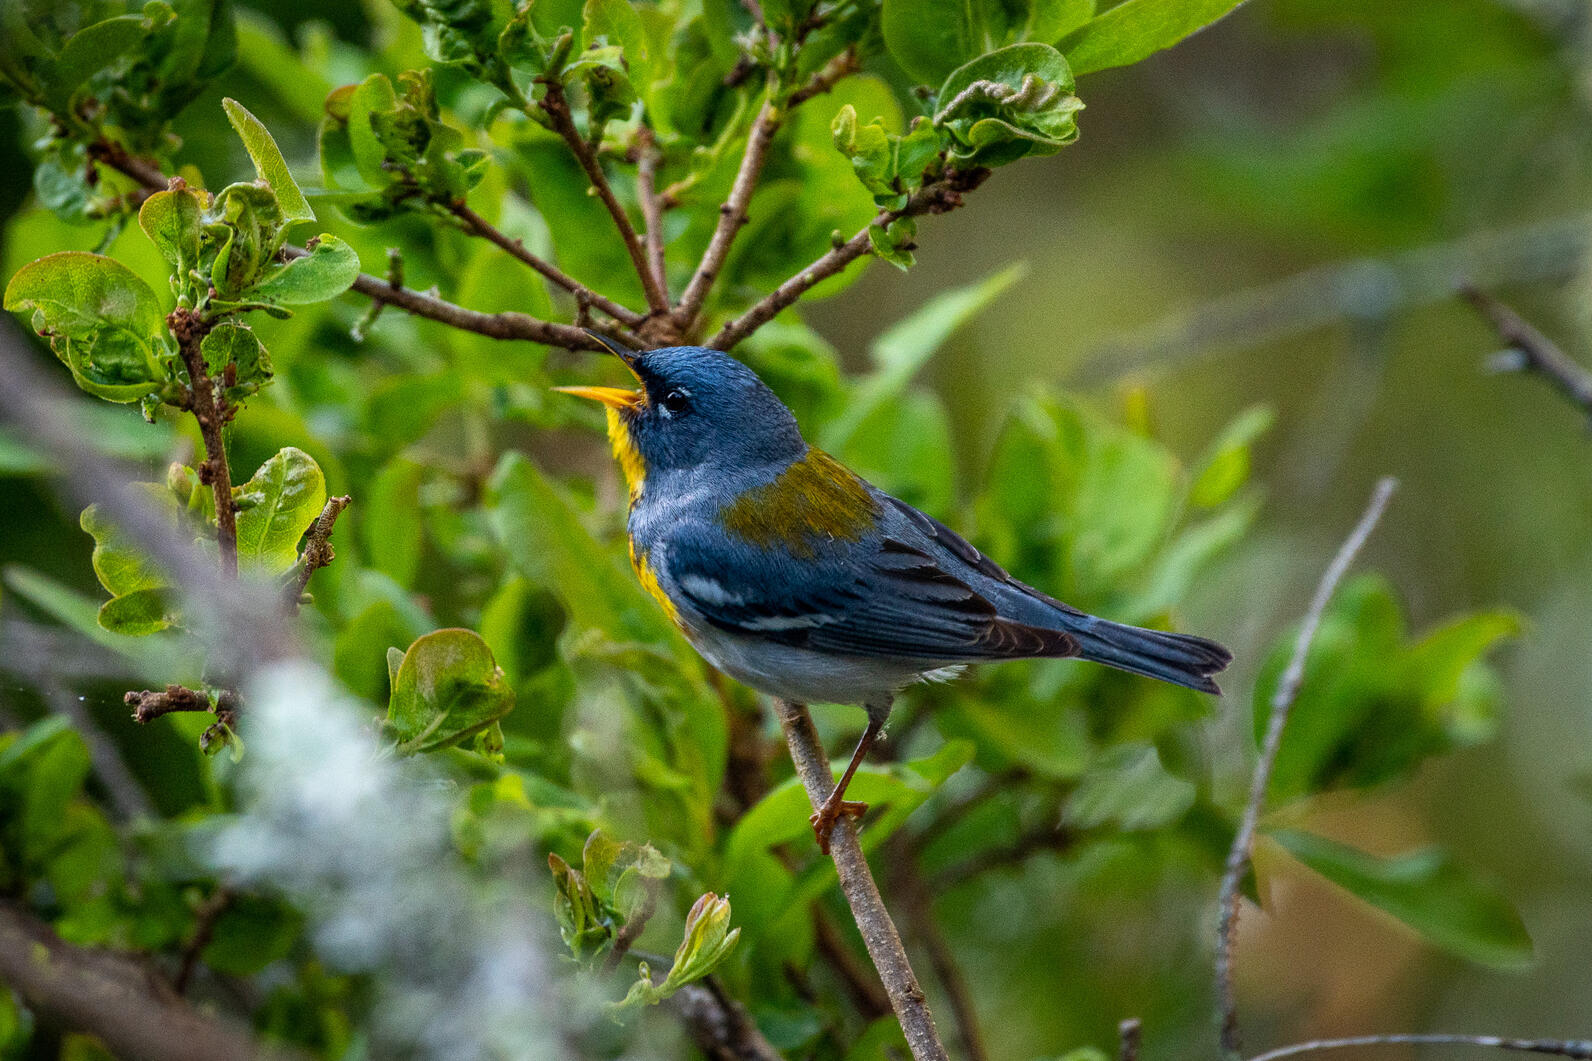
<point x="823" y="821"/>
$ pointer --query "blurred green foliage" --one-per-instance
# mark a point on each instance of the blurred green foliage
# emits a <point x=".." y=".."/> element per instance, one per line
<point x="480" y="595"/>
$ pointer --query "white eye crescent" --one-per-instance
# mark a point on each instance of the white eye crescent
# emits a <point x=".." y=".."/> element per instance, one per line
<point x="675" y="402"/>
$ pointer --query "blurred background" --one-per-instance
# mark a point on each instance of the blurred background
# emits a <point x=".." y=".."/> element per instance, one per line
<point x="1278" y="212"/>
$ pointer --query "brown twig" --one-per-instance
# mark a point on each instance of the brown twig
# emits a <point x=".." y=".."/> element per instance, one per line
<point x="1531" y="351"/>
<point x="651" y="205"/>
<point x="480" y="226"/>
<point x="732" y="215"/>
<point x="1130" y="1035"/>
<point x="719" y="1025"/>
<point x="1046" y="836"/>
<point x="831" y="73"/>
<point x="860" y="982"/>
<point x="506" y="325"/>
<point x="856" y="882"/>
<point x="1576" y="1048"/>
<point x="918" y="910"/>
<point x="1282" y="701"/>
<point x="114" y="998"/>
<point x="209" y="407"/>
<point x="204" y="929"/>
<point x="317" y="552"/>
<point x="936" y="198"/>
<point x="148" y="704"/>
<point x="115" y="156"/>
<point x="556" y="106"/>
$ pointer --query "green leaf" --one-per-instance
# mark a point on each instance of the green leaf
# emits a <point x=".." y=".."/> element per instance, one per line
<point x="902" y="351"/>
<point x="391" y="520"/>
<point x="246" y="220"/>
<point x="542" y="533"/>
<point x="235" y="344"/>
<point x="930" y="38"/>
<point x="172" y="220"/>
<point x="142" y="601"/>
<point x="1012" y="102"/>
<point x="624" y="876"/>
<point x="326" y="272"/>
<point x="1129" y="788"/>
<point x="1225" y="466"/>
<point x="1136" y="29"/>
<point x="1427" y="891"/>
<point x="41" y="774"/>
<point x="268" y="162"/>
<point x="1373" y="704"/>
<point x="447" y="688"/>
<point x="616" y="22"/>
<point x="120" y="566"/>
<point x="88" y="51"/>
<point x="250" y="934"/>
<point x="77" y="294"/>
<point x="141" y="612"/>
<point x="277" y="505"/>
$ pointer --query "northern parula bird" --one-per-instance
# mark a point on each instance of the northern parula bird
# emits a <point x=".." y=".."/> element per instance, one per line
<point x="790" y="573"/>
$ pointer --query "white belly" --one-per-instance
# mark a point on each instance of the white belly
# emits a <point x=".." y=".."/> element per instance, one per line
<point x="801" y="674"/>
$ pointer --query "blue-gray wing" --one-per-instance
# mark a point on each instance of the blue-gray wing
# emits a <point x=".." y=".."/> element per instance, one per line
<point x="889" y="595"/>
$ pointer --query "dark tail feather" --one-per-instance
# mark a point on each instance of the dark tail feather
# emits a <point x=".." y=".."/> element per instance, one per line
<point x="1181" y="659"/>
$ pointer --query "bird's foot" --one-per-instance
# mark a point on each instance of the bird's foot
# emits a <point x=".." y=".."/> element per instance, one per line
<point x="823" y="821"/>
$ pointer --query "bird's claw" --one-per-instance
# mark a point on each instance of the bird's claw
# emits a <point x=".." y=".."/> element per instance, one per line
<point x="823" y="820"/>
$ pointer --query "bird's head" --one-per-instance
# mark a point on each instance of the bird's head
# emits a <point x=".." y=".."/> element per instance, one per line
<point x="695" y="407"/>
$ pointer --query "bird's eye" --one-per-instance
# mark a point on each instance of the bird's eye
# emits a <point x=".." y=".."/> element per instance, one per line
<point x="676" y="402"/>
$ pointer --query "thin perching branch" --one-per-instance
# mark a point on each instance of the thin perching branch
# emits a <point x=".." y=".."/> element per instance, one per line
<point x="1282" y="701"/>
<point x="856" y="882"/>
<point x="1576" y="1048"/>
<point x="1531" y="351"/>
<point x="556" y="107"/>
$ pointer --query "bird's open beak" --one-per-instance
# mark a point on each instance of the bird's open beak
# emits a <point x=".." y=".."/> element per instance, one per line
<point x="616" y="397"/>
